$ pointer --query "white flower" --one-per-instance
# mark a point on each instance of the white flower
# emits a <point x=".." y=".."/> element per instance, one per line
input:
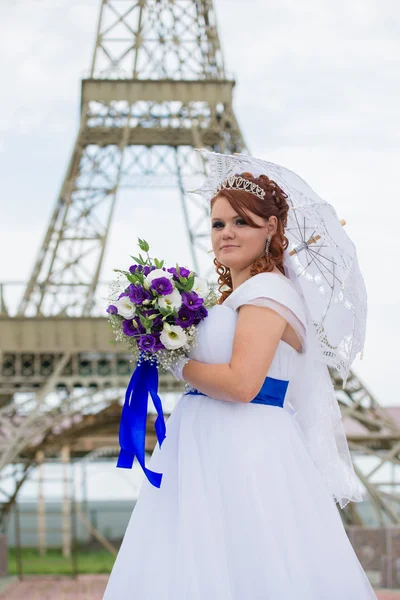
<point x="173" y="337"/>
<point x="200" y="286"/>
<point x="126" y="308"/>
<point x="173" y="300"/>
<point x="154" y="275"/>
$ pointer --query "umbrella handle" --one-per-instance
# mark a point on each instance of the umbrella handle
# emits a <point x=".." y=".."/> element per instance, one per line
<point x="312" y="240"/>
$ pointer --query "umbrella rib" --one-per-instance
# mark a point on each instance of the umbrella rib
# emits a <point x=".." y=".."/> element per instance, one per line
<point x="298" y="238"/>
<point x="306" y="267"/>
<point x="298" y="224"/>
<point x="312" y="254"/>
<point x="318" y="257"/>
<point x="304" y="228"/>
<point x="312" y="249"/>
<point x="320" y="270"/>
<point x="331" y="286"/>
<point x="311" y="227"/>
<point x="297" y="229"/>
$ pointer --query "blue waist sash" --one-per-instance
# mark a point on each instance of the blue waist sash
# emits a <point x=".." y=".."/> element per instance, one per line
<point x="273" y="392"/>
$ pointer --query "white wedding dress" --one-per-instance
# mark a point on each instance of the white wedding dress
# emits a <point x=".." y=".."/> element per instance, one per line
<point x="242" y="512"/>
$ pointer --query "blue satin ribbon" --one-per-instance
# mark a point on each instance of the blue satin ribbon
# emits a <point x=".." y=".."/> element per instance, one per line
<point x="273" y="392"/>
<point x="132" y="427"/>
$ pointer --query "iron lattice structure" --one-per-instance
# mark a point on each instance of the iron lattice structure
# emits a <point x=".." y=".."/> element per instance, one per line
<point x="157" y="88"/>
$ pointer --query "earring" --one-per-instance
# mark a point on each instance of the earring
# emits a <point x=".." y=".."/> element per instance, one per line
<point x="267" y="245"/>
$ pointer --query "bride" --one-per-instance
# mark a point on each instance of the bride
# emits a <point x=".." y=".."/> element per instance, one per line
<point x="244" y="511"/>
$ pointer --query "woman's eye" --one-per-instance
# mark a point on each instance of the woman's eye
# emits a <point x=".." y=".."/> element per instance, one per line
<point x="217" y="224"/>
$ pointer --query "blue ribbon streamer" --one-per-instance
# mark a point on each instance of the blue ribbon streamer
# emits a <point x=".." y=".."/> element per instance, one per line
<point x="132" y="427"/>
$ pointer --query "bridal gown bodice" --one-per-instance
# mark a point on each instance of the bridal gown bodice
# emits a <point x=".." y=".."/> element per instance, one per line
<point x="215" y="337"/>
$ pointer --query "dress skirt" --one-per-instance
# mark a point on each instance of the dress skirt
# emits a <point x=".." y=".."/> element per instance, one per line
<point x="241" y="514"/>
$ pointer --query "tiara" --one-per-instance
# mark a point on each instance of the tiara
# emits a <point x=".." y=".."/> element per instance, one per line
<point x="238" y="183"/>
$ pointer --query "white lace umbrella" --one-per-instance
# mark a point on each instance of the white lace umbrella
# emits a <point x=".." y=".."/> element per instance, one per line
<point x="324" y="257"/>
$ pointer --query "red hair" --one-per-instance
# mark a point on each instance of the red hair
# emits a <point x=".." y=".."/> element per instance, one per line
<point x="273" y="204"/>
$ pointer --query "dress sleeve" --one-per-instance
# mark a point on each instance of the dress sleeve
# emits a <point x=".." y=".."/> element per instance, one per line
<point x="273" y="291"/>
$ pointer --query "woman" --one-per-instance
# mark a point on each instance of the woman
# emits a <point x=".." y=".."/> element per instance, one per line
<point x="242" y="512"/>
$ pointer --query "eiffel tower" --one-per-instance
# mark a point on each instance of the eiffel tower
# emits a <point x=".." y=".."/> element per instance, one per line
<point x="157" y="89"/>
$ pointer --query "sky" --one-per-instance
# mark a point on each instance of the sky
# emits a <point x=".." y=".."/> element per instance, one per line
<point x="317" y="90"/>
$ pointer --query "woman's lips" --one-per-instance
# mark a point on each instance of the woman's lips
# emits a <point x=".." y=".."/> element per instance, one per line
<point x="226" y="247"/>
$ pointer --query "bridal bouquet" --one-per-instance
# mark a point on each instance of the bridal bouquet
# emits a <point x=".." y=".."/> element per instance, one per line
<point x="157" y="313"/>
<point x="154" y="310"/>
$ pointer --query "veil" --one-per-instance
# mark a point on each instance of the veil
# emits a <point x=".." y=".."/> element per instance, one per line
<point x="316" y="410"/>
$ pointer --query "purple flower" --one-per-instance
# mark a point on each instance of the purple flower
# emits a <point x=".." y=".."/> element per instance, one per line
<point x="137" y="294"/>
<point x="200" y="314"/>
<point x="134" y="268"/>
<point x="162" y="286"/>
<point x="158" y="344"/>
<point x="191" y="300"/>
<point x="113" y="310"/>
<point x="185" y="317"/>
<point x="148" y="341"/>
<point x="128" y="328"/>
<point x="183" y="271"/>
<point x="141" y="269"/>
<point x="147" y="269"/>
<point x="121" y="295"/>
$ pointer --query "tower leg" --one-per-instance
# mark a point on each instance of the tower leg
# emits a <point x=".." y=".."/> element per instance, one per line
<point x="66" y="510"/>
<point x="41" y="506"/>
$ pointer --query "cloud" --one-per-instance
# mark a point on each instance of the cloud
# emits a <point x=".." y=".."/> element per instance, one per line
<point x="47" y="46"/>
<point x="317" y="74"/>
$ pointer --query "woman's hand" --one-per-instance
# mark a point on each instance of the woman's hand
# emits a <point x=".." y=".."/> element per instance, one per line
<point x="177" y="369"/>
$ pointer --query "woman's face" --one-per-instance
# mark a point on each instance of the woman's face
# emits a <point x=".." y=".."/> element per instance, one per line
<point x="243" y="242"/>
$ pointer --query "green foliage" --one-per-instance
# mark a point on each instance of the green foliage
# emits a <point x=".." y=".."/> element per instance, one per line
<point x="143" y="245"/>
<point x="126" y="273"/>
<point x="136" y="259"/>
<point x="54" y="563"/>
<point x="145" y="322"/>
<point x="133" y="278"/>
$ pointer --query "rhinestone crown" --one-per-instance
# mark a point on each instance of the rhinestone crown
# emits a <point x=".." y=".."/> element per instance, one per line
<point x="239" y="183"/>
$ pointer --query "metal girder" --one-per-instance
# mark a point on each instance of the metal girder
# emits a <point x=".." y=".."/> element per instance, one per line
<point x="57" y="334"/>
<point x="185" y="92"/>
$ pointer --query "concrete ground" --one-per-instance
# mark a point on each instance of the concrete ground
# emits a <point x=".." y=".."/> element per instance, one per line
<point x="86" y="587"/>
